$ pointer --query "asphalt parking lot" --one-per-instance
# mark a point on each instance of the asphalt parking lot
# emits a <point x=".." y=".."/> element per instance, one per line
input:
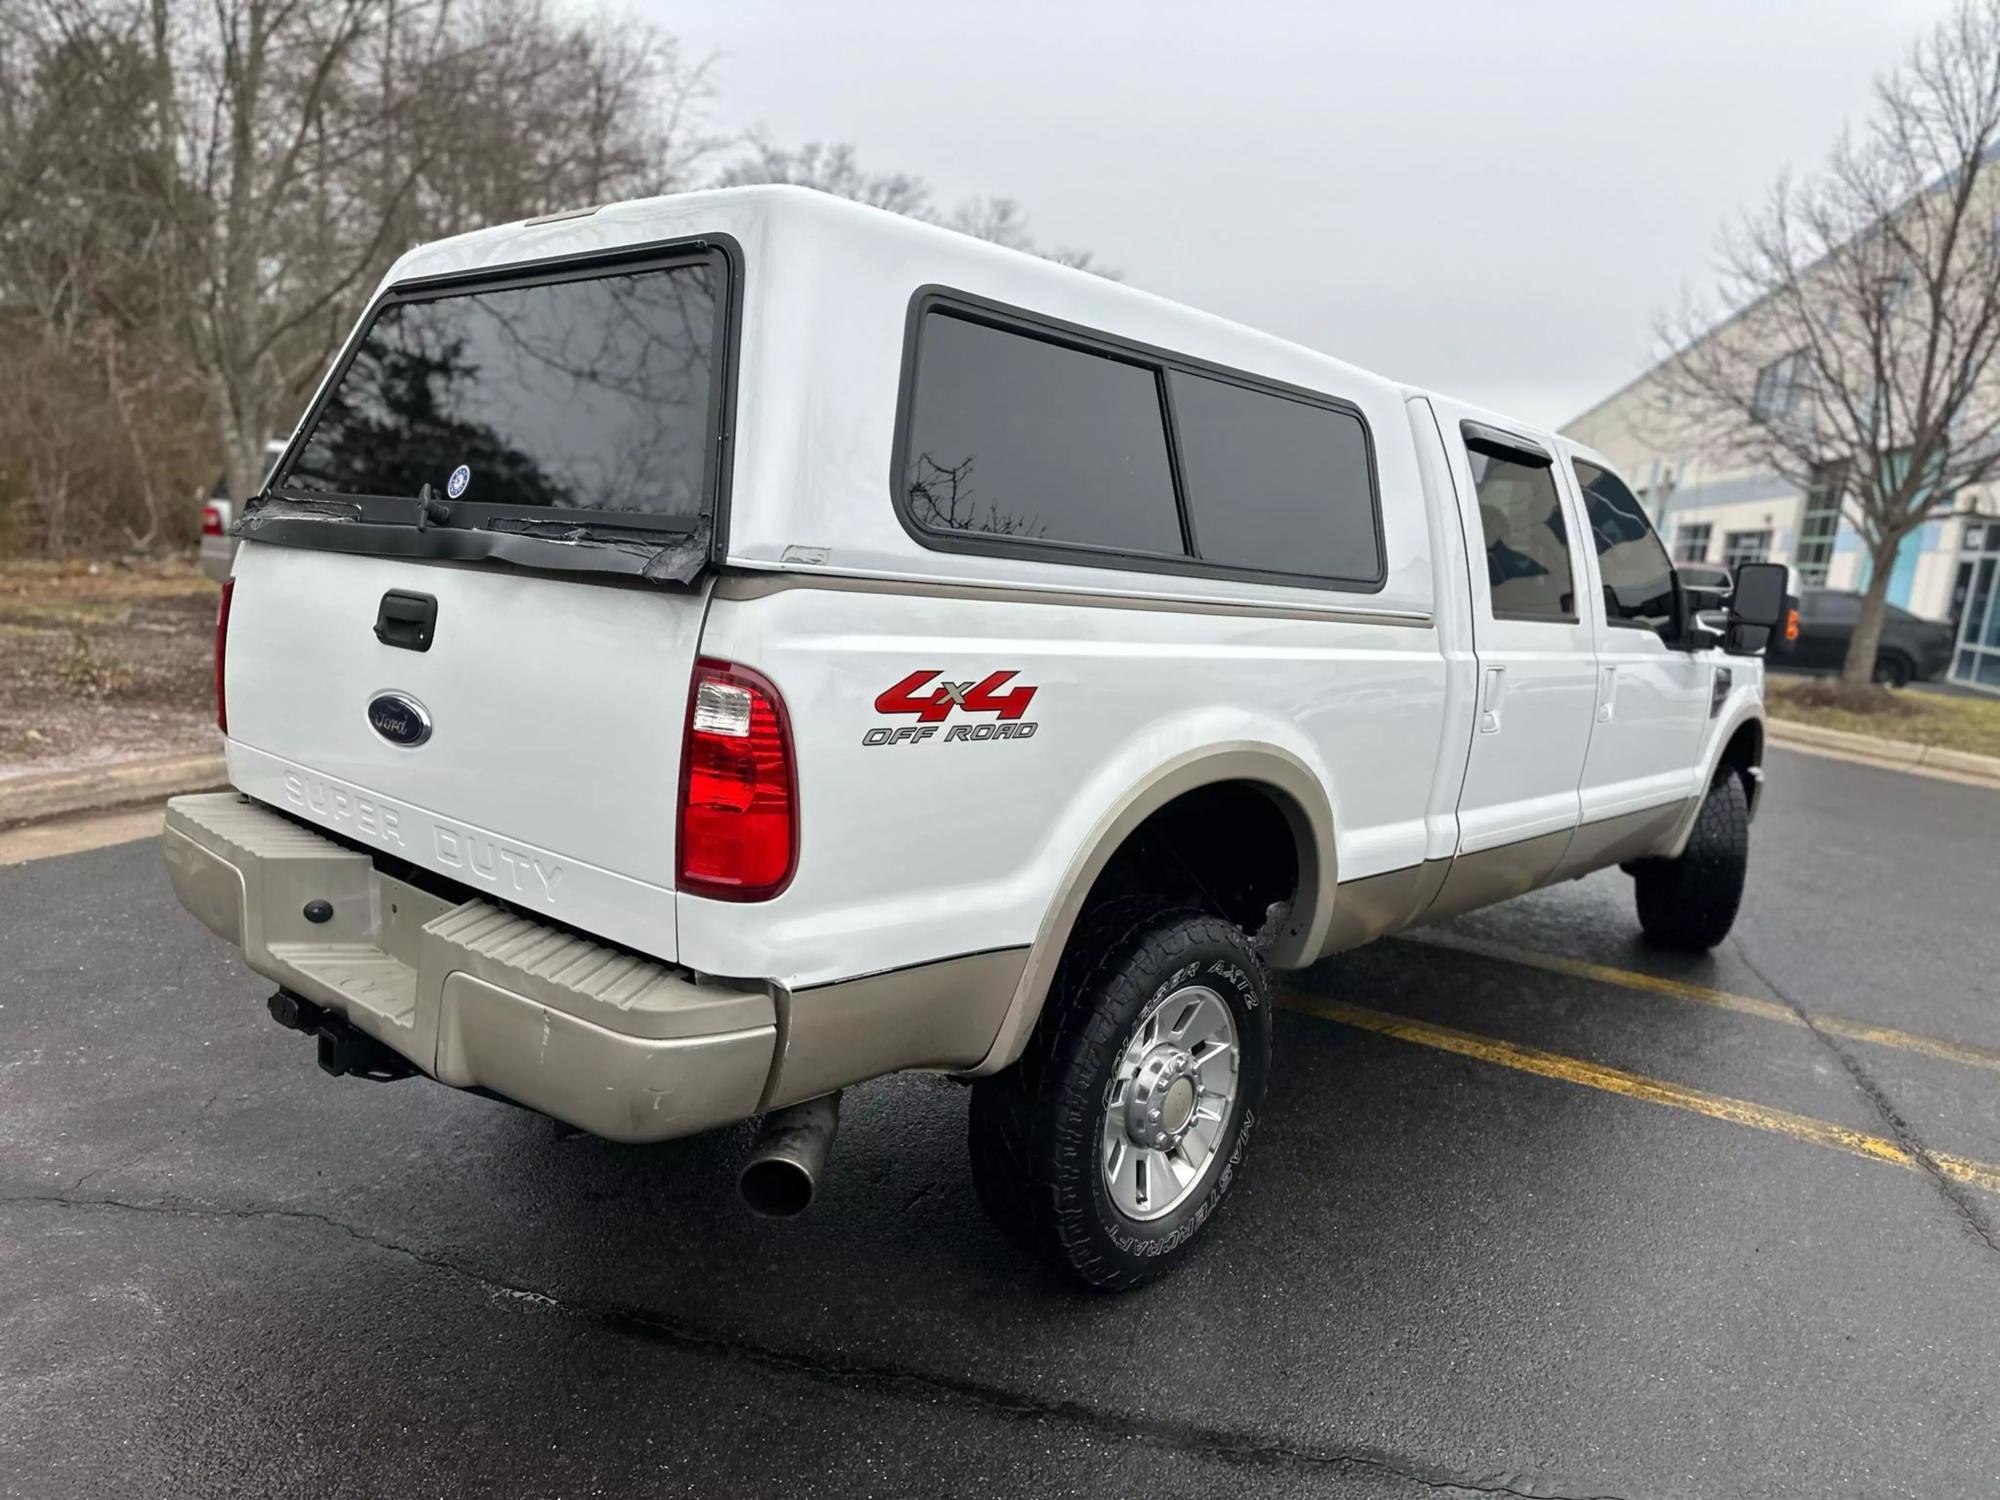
<point x="1534" y="1210"/>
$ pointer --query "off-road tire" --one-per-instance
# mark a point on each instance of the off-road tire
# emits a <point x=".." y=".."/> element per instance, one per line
<point x="1035" y="1129"/>
<point x="1690" y="903"/>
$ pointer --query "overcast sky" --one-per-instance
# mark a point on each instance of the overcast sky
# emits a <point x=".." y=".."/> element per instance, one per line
<point x="1492" y="200"/>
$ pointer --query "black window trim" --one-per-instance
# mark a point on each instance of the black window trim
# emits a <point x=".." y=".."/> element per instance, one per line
<point x="1495" y="442"/>
<point x="1019" y="320"/>
<point x="720" y="250"/>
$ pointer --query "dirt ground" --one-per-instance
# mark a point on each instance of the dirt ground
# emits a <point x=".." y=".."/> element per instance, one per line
<point x="104" y="661"/>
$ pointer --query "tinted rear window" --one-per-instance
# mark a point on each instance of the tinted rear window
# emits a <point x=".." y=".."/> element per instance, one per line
<point x="1016" y="436"/>
<point x="1527" y="545"/>
<point x="590" y="394"/>
<point x="1274" y="483"/>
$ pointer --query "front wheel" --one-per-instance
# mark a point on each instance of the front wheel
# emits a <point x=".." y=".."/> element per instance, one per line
<point x="1690" y="902"/>
<point x="1113" y="1141"/>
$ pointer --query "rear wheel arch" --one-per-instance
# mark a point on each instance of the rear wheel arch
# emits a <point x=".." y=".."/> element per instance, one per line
<point x="1278" y="780"/>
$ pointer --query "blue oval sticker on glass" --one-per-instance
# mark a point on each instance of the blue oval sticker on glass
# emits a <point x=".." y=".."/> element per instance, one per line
<point x="399" y="720"/>
<point x="460" y="478"/>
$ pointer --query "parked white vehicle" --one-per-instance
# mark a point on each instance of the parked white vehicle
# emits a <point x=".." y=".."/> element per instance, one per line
<point x="707" y="652"/>
<point x="218" y="515"/>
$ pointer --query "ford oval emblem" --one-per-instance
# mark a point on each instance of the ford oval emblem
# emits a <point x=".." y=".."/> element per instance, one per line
<point x="399" y="720"/>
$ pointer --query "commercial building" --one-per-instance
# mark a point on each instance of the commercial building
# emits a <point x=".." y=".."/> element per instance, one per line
<point x="1709" y="508"/>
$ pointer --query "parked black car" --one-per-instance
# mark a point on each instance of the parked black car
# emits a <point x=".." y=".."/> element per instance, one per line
<point x="1911" y="650"/>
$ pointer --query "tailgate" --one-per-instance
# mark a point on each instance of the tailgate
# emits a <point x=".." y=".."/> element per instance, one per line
<point x="550" y="775"/>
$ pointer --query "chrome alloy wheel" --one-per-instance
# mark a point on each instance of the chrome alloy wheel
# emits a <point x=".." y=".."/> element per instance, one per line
<point x="1169" y="1103"/>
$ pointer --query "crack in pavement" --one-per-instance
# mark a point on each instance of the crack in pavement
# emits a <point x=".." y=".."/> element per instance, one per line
<point x="1900" y="1130"/>
<point x="1229" y="1445"/>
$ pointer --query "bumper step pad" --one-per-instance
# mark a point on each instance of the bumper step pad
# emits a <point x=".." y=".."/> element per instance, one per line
<point x="472" y="993"/>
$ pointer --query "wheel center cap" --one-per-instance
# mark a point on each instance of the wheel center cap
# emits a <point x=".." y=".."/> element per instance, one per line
<point x="1162" y="1099"/>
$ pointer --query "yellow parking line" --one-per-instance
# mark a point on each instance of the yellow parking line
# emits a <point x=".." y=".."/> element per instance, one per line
<point x="1969" y="1053"/>
<point x="1637" y="1086"/>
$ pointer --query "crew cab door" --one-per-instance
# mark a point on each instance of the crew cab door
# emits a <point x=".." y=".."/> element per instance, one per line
<point x="1537" y="679"/>
<point x="1652" y="697"/>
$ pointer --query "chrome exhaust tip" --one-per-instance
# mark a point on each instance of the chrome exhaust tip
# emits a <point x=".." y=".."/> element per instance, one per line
<point x="782" y="1175"/>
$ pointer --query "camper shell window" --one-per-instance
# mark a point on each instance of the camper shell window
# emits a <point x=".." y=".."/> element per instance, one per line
<point x="1022" y="437"/>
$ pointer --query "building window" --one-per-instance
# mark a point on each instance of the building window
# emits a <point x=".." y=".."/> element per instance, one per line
<point x="1691" y="541"/>
<point x="1739" y="547"/>
<point x="1780" y="386"/>
<point x="1821" y="523"/>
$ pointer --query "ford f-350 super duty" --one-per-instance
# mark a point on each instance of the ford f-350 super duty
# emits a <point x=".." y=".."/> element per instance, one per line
<point x="700" y="654"/>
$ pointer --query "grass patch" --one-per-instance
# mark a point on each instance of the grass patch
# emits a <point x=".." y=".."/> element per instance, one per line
<point x="1913" y="714"/>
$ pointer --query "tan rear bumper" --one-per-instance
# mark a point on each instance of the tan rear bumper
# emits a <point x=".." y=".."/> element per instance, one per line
<point x="471" y="993"/>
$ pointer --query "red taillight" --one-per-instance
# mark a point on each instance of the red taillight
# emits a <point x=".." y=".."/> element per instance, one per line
<point x="211" y="519"/>
<point x="739" y="827"/>
<point x="222" y="650"/>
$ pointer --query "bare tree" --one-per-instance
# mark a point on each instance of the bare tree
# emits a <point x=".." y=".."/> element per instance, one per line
<point x="325" y="138"/>
<point x="1866" y="312"/>
<point x="197" y="195"/>
<point x="100" y="414"/>
<point x="292" y="148"/>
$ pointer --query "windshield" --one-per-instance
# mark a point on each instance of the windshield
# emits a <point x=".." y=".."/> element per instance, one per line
<point x="591" y="393"/>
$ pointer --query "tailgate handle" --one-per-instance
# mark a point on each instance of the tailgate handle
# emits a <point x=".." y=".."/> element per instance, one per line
<point x="406" y="620"/>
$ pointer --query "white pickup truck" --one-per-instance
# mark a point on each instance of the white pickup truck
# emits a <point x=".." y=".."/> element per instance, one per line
<point x="699" y="654"/>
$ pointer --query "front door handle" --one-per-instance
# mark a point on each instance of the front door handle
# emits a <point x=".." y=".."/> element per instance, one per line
<point x="1607" y="693"/>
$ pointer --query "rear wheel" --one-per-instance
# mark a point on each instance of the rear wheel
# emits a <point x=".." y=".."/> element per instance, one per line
<point x="1113" y="1141"/>
<point x="1893" y="671"/>
<point x="1691" y="902"/>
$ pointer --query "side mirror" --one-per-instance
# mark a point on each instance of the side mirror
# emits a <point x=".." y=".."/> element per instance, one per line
<point x="1701" y="596"/>
<point x="1756" y="607"/>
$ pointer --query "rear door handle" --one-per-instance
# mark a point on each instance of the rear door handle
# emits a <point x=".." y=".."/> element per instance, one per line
<point x="1491" y="685"/>
<point x="406" y="621"/>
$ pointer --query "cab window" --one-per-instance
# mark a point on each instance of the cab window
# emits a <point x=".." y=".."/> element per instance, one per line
<point x="1638" y="577"/>
<point x="1527" y="545"/>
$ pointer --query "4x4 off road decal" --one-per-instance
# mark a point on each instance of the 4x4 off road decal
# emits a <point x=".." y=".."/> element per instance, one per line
<point x="931" y="708"/>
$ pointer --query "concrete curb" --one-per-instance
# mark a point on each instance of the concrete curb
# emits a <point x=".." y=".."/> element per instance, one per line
<point x="52" y="794"/>
<point x="1895" y="754"/>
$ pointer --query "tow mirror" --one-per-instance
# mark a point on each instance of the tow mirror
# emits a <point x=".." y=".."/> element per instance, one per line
<point x="1756" y="606"/>
<point x="1702" y="604"/>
